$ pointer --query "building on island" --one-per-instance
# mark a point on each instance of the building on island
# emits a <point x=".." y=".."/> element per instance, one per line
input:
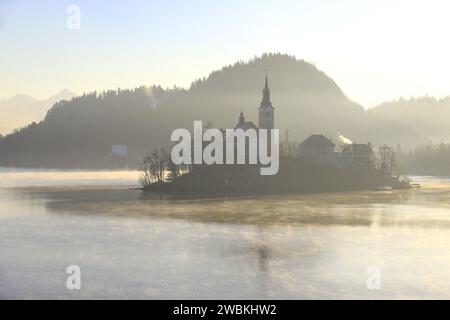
<point x="265" y="112"/>
<point x="318" y="149"/>
<point x="244" y="125"/>
<point x="357" y="155"/>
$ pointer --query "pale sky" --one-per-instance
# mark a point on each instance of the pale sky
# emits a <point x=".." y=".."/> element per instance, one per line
<point x="374" y="50"/>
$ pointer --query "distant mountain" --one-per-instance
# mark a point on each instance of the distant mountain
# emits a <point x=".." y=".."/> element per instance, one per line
<point x="80" y="132"/>
<point x="428" y="116"/>
<point x="22" y="110"/>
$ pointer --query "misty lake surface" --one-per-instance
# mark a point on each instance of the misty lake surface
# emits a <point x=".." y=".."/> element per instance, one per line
<point x="134" y="245"/>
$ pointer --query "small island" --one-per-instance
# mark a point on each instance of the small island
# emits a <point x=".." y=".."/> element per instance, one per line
<point x="313" y="165"/>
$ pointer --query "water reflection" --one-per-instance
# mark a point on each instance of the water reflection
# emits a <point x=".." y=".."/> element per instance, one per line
<point x="131" y="245"/>
<point x="419" y="208"/>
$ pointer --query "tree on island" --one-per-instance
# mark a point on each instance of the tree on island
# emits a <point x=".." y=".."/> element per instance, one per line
<point x="157" y="167"/>
<point x="173" y="171"/>
<point x="386" y="159"/>
<point x="154" y="166"/>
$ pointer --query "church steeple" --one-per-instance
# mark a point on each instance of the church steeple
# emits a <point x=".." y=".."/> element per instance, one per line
<point x="266" y="95"/>
<point x="266" y="113"/>
<point x="241" y="118"/>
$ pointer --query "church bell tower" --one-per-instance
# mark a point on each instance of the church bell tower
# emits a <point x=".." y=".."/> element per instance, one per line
<point x="266" y="111"/>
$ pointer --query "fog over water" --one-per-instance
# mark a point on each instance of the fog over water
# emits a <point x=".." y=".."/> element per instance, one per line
<point x="132" y="245"/>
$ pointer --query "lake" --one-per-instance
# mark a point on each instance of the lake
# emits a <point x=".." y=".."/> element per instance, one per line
<point x="131" y="245"/>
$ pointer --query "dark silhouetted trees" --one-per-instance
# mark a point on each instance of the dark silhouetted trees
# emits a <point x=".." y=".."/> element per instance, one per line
<point x="81" y="132"/>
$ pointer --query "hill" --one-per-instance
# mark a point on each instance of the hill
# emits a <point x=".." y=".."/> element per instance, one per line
<point x="80" y="132"/>
<point x="426" y="115"/>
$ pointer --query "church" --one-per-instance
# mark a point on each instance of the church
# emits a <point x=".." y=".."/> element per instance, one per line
<point x="265" y="111"/>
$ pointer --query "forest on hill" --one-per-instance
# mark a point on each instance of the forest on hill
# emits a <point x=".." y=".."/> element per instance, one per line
<point x="428" y="116"/>
<point x="80" y="132"/>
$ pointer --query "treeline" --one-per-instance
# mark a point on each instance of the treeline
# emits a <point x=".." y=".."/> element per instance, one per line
<point x="428" y="159"/>
<point x="81" y="132"/>
<point x="428" y="116"/>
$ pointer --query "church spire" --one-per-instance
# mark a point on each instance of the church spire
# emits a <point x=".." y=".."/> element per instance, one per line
<point x="266" y="87"/>
<point x="241" y="117"/>
<point x="265" y="103"/>
<point x="266" y="111"/>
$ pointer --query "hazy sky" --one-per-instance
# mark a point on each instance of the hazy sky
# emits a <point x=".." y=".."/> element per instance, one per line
<point x="374" y="50"/>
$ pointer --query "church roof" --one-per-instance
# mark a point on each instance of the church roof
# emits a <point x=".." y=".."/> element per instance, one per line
<point x="317" y="140"/>
<point x="359" y="148"/>
<point x="246" y="125"/>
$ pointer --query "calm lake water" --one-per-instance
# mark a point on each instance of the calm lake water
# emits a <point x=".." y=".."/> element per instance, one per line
<point x="132" y="245"/>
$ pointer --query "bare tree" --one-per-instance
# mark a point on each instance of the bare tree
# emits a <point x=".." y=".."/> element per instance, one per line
<point x="154" y="166"/>
<point x="174" y="171"/>
<point x="147" y="177"/>
<point x="386" y="159"/>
